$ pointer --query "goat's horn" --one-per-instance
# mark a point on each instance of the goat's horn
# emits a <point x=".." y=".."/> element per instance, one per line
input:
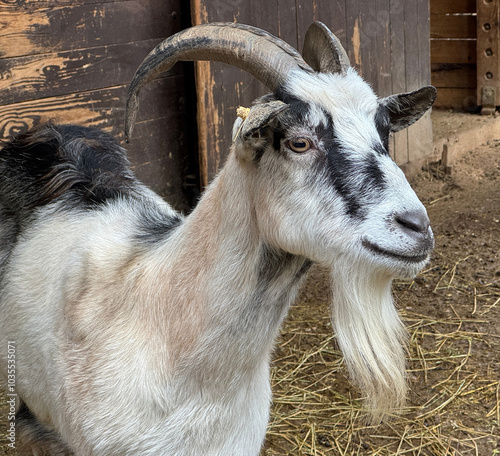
<point x="263" y="55"/>
<point x="323" y="51"/>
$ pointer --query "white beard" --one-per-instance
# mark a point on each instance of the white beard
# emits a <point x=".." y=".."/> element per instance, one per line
<point x="370" y="334"/>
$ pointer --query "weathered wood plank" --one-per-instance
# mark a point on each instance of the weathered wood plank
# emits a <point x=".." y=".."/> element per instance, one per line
<point x="424" y="49"/>
<point x="33" y="5"/>
<point x="398" y="73"/>
<point x="488" y="48"/>
<point x="287" y="22"/>
<point x="47" y="75"/>
<point x="156" y="160"/>
<point x="420" y="133"/>
<point x="412" y="47"/>
<point x="368" y="41"/>
<point x="456" y="98"/>
<point x="86" y="25"/>
<point x="454" y="75"/>
<point x="452" y="6"/>
<point x="383" y="48"/>
<point x="102" y="108"/>
<point x="453" y="51"/>
<point x="353" y="32"/>
<point x="461" y="26"/>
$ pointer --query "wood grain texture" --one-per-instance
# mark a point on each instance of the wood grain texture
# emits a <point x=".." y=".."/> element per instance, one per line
<point x="457" y="99"/>
<point x="420" y="133"/>
<point x="61" y="28"/>
<point x="442" y="7"/>
<point x="222" y="88"/>
<point x="46" y="75"/>
<point x="33" y="5"/>
<point x="398" y="73"/>
<point x="453" y="51"/>
<point x="457" y="75"/>
<point x="453" y="26"/>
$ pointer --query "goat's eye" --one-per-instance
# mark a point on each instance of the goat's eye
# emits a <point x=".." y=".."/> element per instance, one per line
<point x="299" y="145"/>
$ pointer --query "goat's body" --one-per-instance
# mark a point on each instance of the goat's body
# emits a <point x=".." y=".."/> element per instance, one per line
<point x="196" y="380"/>
<point x="137" y="331"/>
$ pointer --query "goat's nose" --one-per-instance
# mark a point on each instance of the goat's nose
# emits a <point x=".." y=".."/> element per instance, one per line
<point x="413" y="222"/>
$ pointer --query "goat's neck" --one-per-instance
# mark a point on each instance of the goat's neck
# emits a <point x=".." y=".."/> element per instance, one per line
<point x="229" y="289"/>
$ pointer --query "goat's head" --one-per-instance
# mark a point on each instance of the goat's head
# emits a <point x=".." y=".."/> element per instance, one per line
<point x="323" y="184"/>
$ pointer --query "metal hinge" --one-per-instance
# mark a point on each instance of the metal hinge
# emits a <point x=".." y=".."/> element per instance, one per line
<point x="488" y="100"/>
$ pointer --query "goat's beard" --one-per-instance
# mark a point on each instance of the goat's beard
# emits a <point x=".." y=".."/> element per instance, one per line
<point x="371" y="335"/>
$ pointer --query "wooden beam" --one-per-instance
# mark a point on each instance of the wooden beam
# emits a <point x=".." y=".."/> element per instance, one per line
<point x="453" y="51"/>
<point x="46" y="75"/>
<point x="454" y="75"/>
<point x="457" y="99"/>
<point x="488" y="62"/>
<point x="452" y="6"/>
<point x="398" y="72"/>
<point x="460" y="26"/>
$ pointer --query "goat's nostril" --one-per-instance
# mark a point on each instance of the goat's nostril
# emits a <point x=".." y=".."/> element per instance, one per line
<point x="416" y="221"/>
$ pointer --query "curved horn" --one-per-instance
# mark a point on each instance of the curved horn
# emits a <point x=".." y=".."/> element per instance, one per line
<point x="263" y="55"/>
<point x="323" y="51"/>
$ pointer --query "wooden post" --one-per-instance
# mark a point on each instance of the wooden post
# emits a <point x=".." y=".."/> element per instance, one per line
<point x="488" y="48"/>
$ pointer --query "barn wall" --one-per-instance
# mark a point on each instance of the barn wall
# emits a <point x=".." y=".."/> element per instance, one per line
<point x="387" y="40"/>
<point x="72" y="60"/>
<point x="453" y="53"/>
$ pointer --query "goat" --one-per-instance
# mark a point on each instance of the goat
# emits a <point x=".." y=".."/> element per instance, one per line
<point x="139" y="331"/>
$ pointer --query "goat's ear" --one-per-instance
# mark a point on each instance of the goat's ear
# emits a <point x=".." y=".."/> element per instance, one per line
<point x="249" y="135"/>
<point x="406" y="108"/>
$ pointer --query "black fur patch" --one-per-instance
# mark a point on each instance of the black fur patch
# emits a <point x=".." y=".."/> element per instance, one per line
<point x="295" y="115"/>
<point x="337" y="166"/>
<point x="373" y="175"/>
<point x="352" y="180"/>
<point x="298" y="109"/>
<point x="36" y="437"/>
<point x="383" y="124"/>
<point x="156" y="226"/>
<point x="278" y="136"/>
<point x="84" y="164"/>
<point x="281" y="269"/>
<point x="274" y="263"/>
<point x="340" y="170"/>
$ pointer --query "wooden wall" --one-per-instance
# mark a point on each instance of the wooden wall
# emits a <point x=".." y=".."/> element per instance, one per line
<point x="72" y="60"/>
<point x="387" y="40"/>
<point x="453" y="53"/>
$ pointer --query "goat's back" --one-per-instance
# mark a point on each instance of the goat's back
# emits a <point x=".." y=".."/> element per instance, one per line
<point x="49" y="161"/>
<point x="71" y="171"/>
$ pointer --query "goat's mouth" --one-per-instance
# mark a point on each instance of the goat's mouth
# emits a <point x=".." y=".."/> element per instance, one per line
<point x="374" y="248"/>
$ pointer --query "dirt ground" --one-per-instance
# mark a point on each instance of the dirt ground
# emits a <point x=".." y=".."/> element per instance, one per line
<point x="452" y="311"/>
